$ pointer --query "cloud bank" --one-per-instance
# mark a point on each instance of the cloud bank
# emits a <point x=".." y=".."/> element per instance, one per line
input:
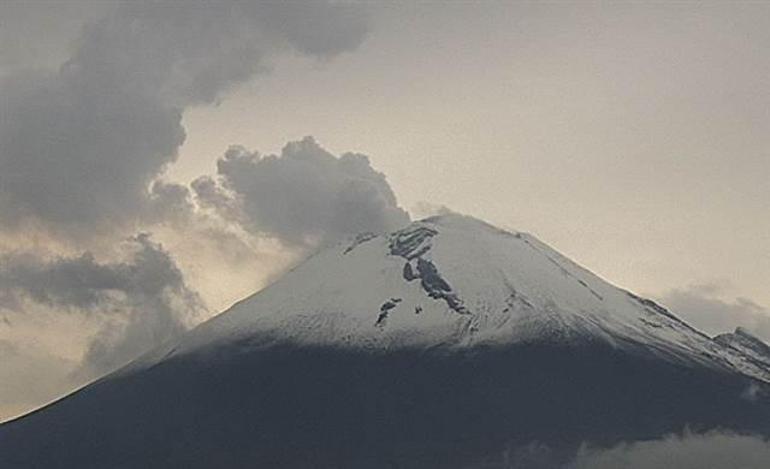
<point x="709" y="451"/>
<point x="139" y="302"/>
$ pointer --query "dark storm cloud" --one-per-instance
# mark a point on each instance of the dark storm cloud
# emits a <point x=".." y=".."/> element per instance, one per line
<point x="142" y="300"/>
<point x="702" y="306"/>
<point x="303" y="196"/>
<point x="80" y="146"/>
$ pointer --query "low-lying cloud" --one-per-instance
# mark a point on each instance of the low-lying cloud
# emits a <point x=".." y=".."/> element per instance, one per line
<point x="709" y="451"/>
<point x="687" y="450"/>
<point x="139" y="302"/>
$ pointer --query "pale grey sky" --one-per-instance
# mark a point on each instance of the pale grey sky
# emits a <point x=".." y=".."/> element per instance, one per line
<point x="633" y="137"/>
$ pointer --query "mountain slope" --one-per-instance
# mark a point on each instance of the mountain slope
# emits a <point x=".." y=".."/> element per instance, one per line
<point x="746" y="343"/>
<point x="455" y="281"/>
<point x="447" y="344"/>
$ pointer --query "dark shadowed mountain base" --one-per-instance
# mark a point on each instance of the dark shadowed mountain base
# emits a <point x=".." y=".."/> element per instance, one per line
<point x="288" y="407"/>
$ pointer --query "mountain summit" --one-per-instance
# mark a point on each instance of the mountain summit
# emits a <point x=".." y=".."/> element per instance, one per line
<point x="449" y="343"/>
<point x="454" y="281"/>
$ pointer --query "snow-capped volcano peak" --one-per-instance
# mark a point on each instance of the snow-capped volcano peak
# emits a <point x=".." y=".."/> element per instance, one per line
<point x="455" y="281"/>
<point x="434" y="346"/>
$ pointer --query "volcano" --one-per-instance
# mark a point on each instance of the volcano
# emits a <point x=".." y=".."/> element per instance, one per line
<point x="449" y="344"/>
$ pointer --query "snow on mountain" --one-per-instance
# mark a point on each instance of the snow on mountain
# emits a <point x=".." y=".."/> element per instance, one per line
<point x="454" y="281"/>
<point x="746" y="343"/>
<point x="447" y="344"/>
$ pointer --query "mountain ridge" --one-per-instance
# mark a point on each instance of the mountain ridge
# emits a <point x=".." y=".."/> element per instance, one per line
<point x="456" y="281"/>
<point x="747" y="343"/>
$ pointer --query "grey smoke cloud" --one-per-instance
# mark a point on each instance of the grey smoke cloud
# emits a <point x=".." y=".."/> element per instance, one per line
<point x="303" y="196"/>
<point x="141" y="301"/>
<point x="81" y="145"/>
<point x="702" y="305"/>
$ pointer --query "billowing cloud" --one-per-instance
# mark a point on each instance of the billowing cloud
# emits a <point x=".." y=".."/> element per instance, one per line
<point x="170" y="204"/>
<point x="703" y="306"/>
<point x="139" y="302"/>
<point x="81" y="145"/>
<point x="303" y="196"/>
<point x="83" y="149"/>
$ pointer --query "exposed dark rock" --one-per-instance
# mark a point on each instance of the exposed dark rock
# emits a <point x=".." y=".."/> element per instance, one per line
<point x="409" y="273"/>
<point x="359" y="239"/>
<point x="409" y="243"/>
<point x="413" y="244"/>
<point x="437" y="287"/>
<point x="385" y="309"/>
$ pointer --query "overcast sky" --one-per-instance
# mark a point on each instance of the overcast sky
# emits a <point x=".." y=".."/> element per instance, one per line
<point x="631" y="137"/>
